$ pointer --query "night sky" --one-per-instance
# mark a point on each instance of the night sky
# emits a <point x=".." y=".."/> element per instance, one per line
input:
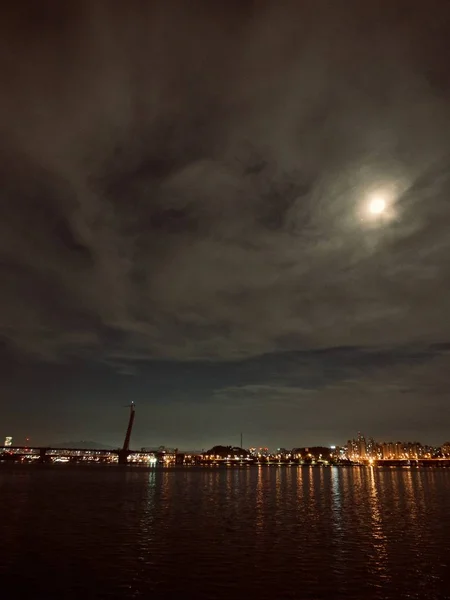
<point x="186" y="196"/>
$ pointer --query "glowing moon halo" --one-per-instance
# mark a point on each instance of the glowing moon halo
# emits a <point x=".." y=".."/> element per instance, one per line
<point x="377" y="205"/>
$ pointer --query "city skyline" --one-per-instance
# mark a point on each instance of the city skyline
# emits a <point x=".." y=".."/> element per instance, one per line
<point x="354" y="448"/>
<point x="357" y="452"/>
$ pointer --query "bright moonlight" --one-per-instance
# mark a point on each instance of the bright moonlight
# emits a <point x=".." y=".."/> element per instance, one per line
<point x="377" y="205"/>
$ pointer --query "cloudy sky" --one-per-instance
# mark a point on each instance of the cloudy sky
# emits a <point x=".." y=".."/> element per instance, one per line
<point x="185" y="195"/>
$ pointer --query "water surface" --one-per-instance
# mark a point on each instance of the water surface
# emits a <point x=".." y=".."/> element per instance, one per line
<point x="221" y="533"/>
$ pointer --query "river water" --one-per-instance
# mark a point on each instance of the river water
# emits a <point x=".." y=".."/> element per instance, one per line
<point x="221" y="533"/>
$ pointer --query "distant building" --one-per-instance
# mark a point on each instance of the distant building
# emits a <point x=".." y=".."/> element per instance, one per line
<point x="358" y="449"/>
<point x="8" y="441"/>
<point x="362" y="447"/>
<point x="162" y="454"/>
<point x="371" y="449"/>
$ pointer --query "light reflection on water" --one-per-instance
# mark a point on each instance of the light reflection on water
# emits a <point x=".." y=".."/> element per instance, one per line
<point x="263" y="532"/>
<point x="379" y="555"/>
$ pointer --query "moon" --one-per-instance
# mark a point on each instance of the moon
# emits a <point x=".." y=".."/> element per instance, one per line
<point x="377" y="205"/>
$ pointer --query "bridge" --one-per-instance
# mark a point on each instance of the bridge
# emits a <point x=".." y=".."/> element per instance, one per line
<point x="167" y="457"/>
<point x="121" y="456"/>
<point x="40" y="454"/>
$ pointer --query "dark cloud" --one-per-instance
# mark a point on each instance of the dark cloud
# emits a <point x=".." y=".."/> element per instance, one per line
<point x="189" y="181"/>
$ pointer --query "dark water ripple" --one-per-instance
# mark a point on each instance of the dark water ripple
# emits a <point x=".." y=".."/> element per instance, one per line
<point x="269" y="532"/>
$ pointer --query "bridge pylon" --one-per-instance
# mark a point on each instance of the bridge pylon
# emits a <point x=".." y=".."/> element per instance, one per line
<point x="125" y="451"/>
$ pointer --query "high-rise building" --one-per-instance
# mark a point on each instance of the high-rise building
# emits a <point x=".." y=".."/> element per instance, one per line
<point x="362" y="447"/>
<point x="371" y="448"/>
<point x="8" y="441"/>
<point x="352" y="450"/>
